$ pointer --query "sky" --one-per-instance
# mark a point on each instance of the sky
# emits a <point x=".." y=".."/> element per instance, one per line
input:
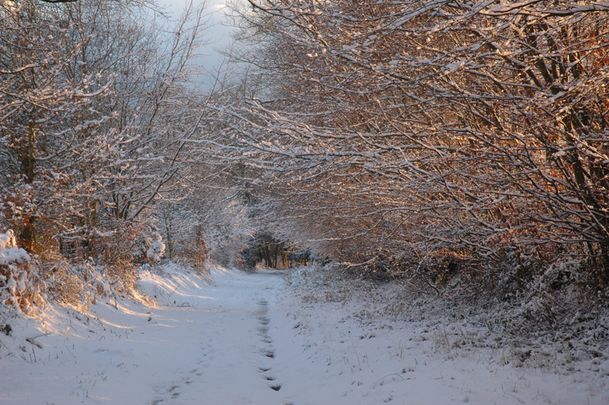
<point x="217" y="36"/>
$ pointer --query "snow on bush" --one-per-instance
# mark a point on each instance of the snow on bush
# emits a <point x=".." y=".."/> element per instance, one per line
<point x="9" y="252"/>
<point x="78" y="285"/>
<point x="7" y="240"/>
<point x="156" y="248"/>
<point x="148" y="246"/>
<point x="20" y="286"/>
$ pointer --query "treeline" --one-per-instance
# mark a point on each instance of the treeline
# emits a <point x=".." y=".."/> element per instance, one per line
<point x="438" y="138"/>
<point x="264" y="250"/>
<point x="97" y="108"/>
<point x="93" y="107"/>
<point x="445" y="136"/>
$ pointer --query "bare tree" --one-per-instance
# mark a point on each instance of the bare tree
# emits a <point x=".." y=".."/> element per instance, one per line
<point x="92" y="116"/>
<point x="460" y="132"/>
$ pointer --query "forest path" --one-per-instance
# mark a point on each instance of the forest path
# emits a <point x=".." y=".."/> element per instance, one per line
<point x="234" y="363"/>
<point x="262" y="339"/>
<point x="202" y="344"/>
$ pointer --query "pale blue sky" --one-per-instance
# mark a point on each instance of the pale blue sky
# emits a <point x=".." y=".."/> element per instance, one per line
<point x="217" y="35"/>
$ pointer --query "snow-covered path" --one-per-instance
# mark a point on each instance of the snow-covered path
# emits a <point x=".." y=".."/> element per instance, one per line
<point x="223" y="347"/>
<point x="204" y="346"/>
<point x="246" y="339"/>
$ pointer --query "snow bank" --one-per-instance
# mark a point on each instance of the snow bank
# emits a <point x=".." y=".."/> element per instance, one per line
<point x="170" y="284"/>
<point x="382" y="341"/>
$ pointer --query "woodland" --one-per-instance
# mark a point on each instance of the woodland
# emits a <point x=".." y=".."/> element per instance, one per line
<point x="461" y="146"/>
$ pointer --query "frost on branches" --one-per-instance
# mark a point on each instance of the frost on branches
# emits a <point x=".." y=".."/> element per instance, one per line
<point x="93" y="122"/>
<point x="454" y="137"/>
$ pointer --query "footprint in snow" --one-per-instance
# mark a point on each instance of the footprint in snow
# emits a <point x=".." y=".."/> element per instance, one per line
<point x="269" y="352"/>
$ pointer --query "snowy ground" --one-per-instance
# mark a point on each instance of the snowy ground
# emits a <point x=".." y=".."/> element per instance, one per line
<point x="257" y="339"/>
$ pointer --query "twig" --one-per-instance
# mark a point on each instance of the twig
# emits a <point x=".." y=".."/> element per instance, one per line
<point x="32" y="340"/>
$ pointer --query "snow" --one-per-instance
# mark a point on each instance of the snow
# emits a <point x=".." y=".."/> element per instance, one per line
<point x="7" y="240"/>
<point x="156" y="248"/>
<point x="9" y="252"/>
<point x="264" y="338"/>
<point x="13" y="256"/>
<point x="367" y="356"/>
